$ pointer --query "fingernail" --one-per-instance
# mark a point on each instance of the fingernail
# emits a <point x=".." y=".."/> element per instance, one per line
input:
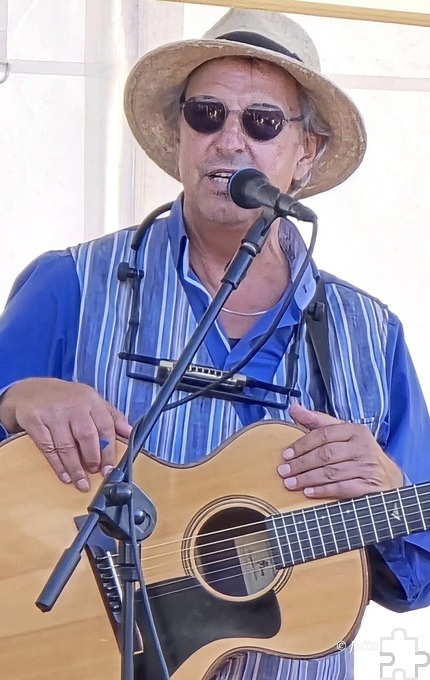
<point x="66" y="478"/>
<point x="82" y="485"/>
<point x="284" y="470"/>
<point x="103" y="443"/>
<point x="309" y="491"/>
<point x="291" y="482"/>
<point x="106" y="469"/>
<point x="288" y="454"/>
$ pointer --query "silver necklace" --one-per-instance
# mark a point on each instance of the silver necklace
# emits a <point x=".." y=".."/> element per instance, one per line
<point x="230" y="311"/>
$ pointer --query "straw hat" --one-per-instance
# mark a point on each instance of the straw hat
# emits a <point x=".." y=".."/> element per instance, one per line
<point x="268" y="36"/>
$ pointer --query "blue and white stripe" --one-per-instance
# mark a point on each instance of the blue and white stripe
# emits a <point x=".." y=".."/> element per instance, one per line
<point x="358" y="335"/>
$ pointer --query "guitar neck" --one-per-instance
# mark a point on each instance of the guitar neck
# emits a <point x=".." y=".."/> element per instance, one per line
<point x="339" y="526"/>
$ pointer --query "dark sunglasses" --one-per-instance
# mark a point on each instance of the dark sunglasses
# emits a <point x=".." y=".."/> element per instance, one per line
<point x="260" y="121"/>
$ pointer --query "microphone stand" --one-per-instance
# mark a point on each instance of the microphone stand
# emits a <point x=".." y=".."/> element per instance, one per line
<point x="121" y="508"/>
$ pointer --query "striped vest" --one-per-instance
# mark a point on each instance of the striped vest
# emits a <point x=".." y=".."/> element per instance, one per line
<point x="357" y="331"/>
<point x="357" y="335"/>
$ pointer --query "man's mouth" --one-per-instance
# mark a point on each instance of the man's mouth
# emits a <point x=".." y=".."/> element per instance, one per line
<point x="221" y="176"/>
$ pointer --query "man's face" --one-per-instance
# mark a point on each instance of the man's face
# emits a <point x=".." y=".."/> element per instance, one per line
<point x="238" y="83"/>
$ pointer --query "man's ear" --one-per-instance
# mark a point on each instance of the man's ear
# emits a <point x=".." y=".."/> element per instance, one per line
<point x="307" y="152"/>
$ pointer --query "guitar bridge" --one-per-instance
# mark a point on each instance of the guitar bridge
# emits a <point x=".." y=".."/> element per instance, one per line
<point x="101" y="551"/>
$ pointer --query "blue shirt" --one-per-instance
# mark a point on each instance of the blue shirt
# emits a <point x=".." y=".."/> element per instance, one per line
<point x="38" y="337"/>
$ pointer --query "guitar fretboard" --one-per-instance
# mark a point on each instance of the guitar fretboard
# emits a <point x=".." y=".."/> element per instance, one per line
<point x="339" y="526"/>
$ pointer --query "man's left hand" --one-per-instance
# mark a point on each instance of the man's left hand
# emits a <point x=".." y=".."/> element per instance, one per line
<point x="336" y="459"/>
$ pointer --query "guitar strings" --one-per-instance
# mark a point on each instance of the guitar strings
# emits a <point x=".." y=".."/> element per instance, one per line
<point x="253" y="552"/>
<point x="213" y="583"/>
<point x="260" y="524"/>
<point x="355" y="531"/>
<point x="209" y="564"/>
<point x="183" y="589"/>
<point x="291" y="542"/>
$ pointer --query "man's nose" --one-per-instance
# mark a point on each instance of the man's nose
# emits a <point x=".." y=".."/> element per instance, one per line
<point x="232" y="136"/>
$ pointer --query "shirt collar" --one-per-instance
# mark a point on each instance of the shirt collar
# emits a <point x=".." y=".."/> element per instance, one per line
<point x="290" y="240"/>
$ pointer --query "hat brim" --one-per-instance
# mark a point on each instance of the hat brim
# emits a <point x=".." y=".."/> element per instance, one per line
<point x="169" y="65"/>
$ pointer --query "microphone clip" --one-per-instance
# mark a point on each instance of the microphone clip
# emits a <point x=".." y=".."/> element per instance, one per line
<point x="125" y="271"/>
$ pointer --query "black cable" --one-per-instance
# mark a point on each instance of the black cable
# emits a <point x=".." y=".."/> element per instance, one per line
<point x="155" y="640"/>
<point x="129" y="463"/>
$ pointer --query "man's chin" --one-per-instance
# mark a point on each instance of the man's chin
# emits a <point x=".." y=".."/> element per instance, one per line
<point x="221" y="210"/>
<point x="215" y="206"/>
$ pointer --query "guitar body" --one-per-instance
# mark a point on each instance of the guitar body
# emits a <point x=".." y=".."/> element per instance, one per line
<point x="211" y="595"/>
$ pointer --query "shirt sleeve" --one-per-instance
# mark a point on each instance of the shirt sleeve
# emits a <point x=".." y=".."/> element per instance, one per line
<point x="38" y="328"/>
<point x="408" y="444"/>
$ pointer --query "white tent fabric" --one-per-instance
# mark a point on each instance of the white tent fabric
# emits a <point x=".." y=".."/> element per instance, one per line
<point x="73" y="169"/>
<point x="4" y="66"/>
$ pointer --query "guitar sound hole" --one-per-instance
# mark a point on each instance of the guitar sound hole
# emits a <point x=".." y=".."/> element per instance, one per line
<point x="233" y="552"/>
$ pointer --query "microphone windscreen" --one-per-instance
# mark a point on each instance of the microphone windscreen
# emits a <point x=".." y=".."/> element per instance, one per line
<point x="242" y="187"/>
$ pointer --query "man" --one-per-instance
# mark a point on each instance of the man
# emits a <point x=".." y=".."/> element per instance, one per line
<point x="247" y="95"/>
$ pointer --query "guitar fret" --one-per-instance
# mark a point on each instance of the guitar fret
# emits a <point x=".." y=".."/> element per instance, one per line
<point x="299" y="542"/>
<point x="419" y="507"/>
<point x="284" y="545"/>
<point x="403" y="510"/>
<point x="351" y="524"/>
<point x="358" y="521"/>
<point x="396" y="515"/>
<point x="379" y="512"/>
<point x="294" y="541"/>
<point x="314" y="532"/>
<point x="324" y="513"/>
<point x="280" y="552"/>
<point x="342" y="538"/>
<point x="303" y="541"/>
<point x="320" y="517"/>
<point x="367" y="530"/>
<point x="387" y="516"/>
<point x="373" y="521"/>
<point x="308" y="533"/>
<point x="329" y="510"/>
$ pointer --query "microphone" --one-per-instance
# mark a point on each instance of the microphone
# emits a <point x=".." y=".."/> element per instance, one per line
<point x="249" y="188"/>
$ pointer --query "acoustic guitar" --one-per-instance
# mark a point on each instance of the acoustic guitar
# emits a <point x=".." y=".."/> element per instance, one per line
<point x="235" y="562"/>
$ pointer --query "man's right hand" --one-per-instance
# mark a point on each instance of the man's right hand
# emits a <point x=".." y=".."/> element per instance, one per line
<point x="69" y="422"/>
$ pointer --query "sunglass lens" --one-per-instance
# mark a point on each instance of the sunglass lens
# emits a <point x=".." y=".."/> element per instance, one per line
<point x="263" y="123"/>
<point x="204" y="115"/>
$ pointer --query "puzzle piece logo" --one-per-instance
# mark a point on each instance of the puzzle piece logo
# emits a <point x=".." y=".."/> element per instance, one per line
<point x="402" y="658"/>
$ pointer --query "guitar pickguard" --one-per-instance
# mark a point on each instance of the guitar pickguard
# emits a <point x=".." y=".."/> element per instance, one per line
<point x="188" y="618"/>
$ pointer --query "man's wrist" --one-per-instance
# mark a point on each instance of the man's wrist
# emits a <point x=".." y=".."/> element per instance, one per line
<point x="406" y="480"/>
<point x="7" y="418"/>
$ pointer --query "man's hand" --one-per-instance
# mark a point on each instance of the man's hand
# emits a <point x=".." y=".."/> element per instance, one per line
<point x="336" y="459"/>
<point x="70" y="423"/>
